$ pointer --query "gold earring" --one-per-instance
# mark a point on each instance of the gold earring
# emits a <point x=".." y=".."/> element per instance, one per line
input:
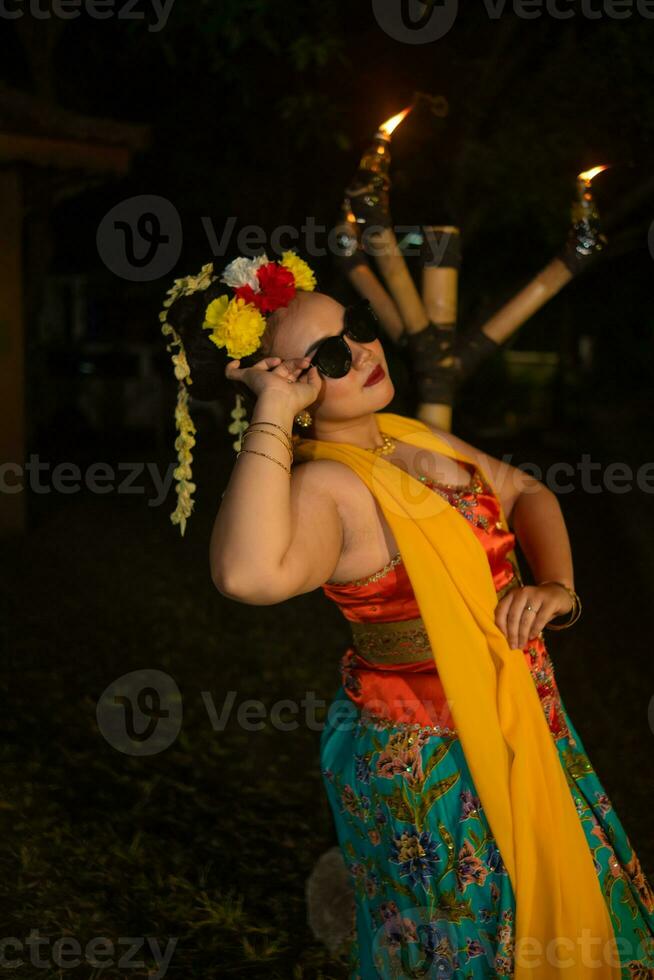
<point x="304" y="418"/>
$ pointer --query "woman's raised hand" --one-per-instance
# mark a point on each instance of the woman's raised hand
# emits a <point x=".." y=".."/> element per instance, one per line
<point x="274" y="374"/>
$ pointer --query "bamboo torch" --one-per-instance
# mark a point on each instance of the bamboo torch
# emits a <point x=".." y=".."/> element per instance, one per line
<point x="356" y="266"/>
<point x="368" y="198"/>
<point x="585" y="240"/>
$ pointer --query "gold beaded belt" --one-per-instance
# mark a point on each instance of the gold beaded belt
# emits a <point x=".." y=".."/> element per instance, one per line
<point x="406" y="641"/>
<point x="392" y="643"/>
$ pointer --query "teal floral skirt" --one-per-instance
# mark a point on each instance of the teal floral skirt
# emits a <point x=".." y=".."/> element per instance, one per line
<point x="432" y="896"/>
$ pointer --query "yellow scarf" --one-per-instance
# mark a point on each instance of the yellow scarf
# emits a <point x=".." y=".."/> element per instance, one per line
<point x="498" y="715"/>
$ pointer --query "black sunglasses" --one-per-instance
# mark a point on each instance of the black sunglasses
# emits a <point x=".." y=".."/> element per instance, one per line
<point x="333" y="356"/>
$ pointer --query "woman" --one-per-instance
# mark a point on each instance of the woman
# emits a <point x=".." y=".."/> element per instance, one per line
<point x="413" y="795"/>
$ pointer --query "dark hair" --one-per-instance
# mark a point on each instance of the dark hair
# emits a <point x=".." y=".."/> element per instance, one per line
<point x="206" y="361"/>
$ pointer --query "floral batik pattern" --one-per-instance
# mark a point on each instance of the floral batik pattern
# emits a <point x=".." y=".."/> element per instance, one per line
<point x="432" y="895"/>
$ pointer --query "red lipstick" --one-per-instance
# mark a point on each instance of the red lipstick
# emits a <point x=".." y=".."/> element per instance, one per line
<point x="375" y="375"/>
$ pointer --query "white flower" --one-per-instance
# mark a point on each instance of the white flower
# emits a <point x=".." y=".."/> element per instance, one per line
<point x="243" y="272"/>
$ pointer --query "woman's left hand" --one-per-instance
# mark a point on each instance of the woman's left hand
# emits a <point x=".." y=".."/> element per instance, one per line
<point x="520" y="624"/>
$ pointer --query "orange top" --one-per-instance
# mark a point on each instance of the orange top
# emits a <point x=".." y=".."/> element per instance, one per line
<point x="387" y="596"/>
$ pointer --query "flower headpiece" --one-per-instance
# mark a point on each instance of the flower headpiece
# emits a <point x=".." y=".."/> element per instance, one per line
<point x="236" y="323"/>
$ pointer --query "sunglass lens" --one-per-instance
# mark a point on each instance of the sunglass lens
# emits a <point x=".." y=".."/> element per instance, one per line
<point x="333" y="358"/>
<point x="361" y="322"/>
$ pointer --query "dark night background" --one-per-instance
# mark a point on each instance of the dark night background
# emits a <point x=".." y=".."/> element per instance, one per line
<point x="260" y="111"/>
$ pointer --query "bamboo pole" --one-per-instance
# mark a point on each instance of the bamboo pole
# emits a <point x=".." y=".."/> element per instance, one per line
<point x="356" y="266"/>
<point x="368" y="285"/>
<point x="382" y="244"/>
<point x="525" y="303"/>
<point x="441" y="260"/>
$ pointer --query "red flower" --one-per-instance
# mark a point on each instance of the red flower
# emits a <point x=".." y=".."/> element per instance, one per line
<point x="248" y="294"/>
<point x="277" y="287"/>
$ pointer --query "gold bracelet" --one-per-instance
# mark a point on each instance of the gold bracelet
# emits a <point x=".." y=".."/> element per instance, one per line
<point x="575" y="612"/>
<point x="273" y="434"/>
<point x="257" y="453"/>
<point x="285" y="440"/>
<point x="280" y="427"/>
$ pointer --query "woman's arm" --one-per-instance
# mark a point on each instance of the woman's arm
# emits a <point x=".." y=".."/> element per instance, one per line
<point x="274" y="537"/>
<point x="531" y="508"/>
<point x="540" y="528"/>
<point x="535" y="515"/>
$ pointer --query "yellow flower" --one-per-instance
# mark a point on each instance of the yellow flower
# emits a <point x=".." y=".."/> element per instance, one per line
<point x="215" y="311"/>
<point x="181" y="365"/>
<point x="304" y="277"/>
<point x="183" y="472"/>
<point x="234" y="324"/>
<point x="183" y="444"/>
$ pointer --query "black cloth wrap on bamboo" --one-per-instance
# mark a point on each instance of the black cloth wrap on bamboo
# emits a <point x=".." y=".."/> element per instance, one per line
<point x="441" y="360"/>
<point x="577" y="255"/>
<point x="369" y="198"/>
<point x="440" y="249"/>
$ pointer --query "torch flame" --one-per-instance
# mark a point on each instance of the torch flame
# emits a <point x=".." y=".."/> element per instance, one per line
<point x="391" y="124"/>
<point x="588" y="175"/>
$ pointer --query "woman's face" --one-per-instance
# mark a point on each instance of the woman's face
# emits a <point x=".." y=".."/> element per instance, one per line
<point x="312" y="317"/>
